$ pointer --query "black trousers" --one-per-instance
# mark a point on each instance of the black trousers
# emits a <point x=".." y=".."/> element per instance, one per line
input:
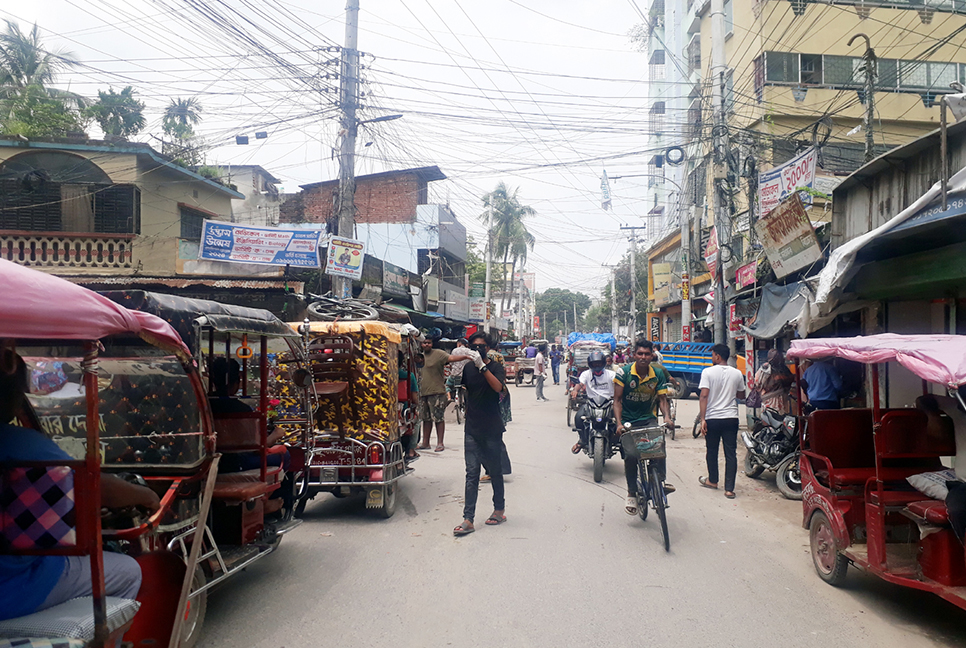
<point x="482" y="451"/>
<point x="725" y="431"/>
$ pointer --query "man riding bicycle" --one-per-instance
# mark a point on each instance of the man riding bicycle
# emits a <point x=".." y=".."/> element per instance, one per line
<point x="638" y="390"/>
<point x="598" y="383"/>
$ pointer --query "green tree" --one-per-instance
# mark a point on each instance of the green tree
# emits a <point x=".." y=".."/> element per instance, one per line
<point x="28" y="104"/>
<point x="180" y="118"/>
<point x="475" y="264"/>
<point x="509" y="234"/>
<point x="623" y="281"/>
<point x="558" y="303"/>
<point x="596" y="318"/>
<point x="119" y="114"/>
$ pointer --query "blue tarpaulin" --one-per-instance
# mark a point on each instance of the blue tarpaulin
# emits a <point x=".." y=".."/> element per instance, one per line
<point x="606" y="338"/>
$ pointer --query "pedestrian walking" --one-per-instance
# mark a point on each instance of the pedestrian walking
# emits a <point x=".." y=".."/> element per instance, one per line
<point x="556" y="355"/>
<point x="540" y="371"/>
<point x="720" y="387"/>
<point x="484" y="380"/>
<point x="432" y="392"/>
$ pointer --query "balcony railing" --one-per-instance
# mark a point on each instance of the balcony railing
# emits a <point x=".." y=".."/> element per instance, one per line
<point x="66" y="249"/>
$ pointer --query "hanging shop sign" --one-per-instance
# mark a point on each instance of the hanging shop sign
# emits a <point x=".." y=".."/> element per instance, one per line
<point x="654" y="326"/>
<point x="788" y="237"/>
<point x="711" y="253"/>
<point x="395" y="280"/>
<point x="345" y="257"/>
<point x="746" y="274"/>
<point x="777" y="184"/>
<point x="662" y="283"/>
<point x="477" y="310"/>
<point x="262" y="245"/>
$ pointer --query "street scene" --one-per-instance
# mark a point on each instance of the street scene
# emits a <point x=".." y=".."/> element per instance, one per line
<point x="517" y="323"/>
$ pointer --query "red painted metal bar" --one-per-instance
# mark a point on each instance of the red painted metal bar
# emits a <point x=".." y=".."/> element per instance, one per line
<point x="880" y="559"/>
<point x="263" y="400"/>
<point x="244" y="366"/>
<point x="93" y="512"/>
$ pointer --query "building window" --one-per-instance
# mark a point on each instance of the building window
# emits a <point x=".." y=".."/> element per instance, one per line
<point x="192" y="222"/>
<point x="729" y="91"/>
<point x="694" y="119"/>
<point x="760" y="78"/>
<point x="693" y="52"/>
<point x="811" y="69"/>
<point x="657" y="118"/>
<point x="656" y="66"/>
<point x="781" y="67"/>
<point x="729" y="12"/>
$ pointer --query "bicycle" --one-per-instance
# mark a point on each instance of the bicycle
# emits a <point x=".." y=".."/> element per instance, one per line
<point x="460" y="403"/>
<point x="648" y="444"/>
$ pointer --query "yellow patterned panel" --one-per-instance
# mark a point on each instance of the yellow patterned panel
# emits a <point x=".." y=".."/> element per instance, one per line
<point x="351" y="328"/>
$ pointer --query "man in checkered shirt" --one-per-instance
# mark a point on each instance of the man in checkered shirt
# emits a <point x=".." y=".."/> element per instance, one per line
<point x="32" y="583"/>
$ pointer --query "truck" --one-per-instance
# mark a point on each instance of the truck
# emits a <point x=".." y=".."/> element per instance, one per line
<point x="686" y="360"/>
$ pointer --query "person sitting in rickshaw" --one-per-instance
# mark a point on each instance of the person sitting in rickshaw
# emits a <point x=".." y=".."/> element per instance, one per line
<point x="225" y="382"/>
<point x="29" y="584"/>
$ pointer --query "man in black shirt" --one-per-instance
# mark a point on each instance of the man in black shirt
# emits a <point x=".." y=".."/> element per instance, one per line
<point x="483" y="431"/>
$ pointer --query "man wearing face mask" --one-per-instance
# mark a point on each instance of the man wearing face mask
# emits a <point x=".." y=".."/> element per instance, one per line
<point x="598" y="383"/>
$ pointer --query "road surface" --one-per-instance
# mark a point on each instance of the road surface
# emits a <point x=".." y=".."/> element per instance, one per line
<point x="569" y="568"/>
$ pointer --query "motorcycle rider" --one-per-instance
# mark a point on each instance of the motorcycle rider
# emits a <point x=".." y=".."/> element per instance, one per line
<point x="598" y="383"/>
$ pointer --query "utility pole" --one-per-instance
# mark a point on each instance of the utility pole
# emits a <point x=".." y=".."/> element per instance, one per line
<point x="686" y="277"/>
<point x="632" y="327"/>
<point x="613" y="301"/>
<point x="489" y="263"/>
<point x="575" y="316"/>
<point x="719" y="70"/>
<point x="869" y="66"/>
<point x="348" y="100"/>
<point x="519" y="280"/>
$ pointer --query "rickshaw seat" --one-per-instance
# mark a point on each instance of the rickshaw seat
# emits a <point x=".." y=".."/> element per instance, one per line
<point x="332" y="361"/>
<point x="844" y="437"/>
<point x="902" y="435"/>
<point x="241" y="491"/>
<point x="273" y="475"/>
<point x="859" y="476"/>
<point x="330" y="388"/>
<point x="238" y="432"/>
<point x="893" y="497"/>
<point x="932" y="511"/>
<point x="73" y="618"/>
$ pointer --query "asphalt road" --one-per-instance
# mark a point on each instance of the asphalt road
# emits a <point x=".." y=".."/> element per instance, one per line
<point x="569" y="567"/>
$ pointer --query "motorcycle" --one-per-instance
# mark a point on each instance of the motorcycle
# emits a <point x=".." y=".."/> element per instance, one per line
<point x="773" y="445"/>
<point x="601" y="426"/>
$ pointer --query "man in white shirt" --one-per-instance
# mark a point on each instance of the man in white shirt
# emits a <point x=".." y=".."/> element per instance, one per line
<point x="598" y="383"/>
<point x="540" y="371"/>
<point x="721" y="386"/>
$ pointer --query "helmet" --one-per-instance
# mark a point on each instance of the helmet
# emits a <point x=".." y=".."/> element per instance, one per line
<point x="596" y="357"/>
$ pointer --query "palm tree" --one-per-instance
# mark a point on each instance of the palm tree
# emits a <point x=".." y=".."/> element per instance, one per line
<point x="180" y="116"/>
<point x="27" y="69"/>
<point x="509" y="234"/>
<point x="118" y="113"/>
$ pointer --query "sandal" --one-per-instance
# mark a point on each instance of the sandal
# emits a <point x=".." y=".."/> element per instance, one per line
<point x="439" y="448"/>
<point x="423" y="447"/>
<point x="630" y="505"/>
<point x="730" y="494"/>
<point x="577" y="448"/>
<point x="704" y="482"/>
<point x="464" y="528"/>
<point x="485" y="478"/>
<point x="494" y="521"/>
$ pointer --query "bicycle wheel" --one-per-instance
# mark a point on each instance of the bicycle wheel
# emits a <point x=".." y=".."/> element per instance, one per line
<point x="347" y="310"/>
<point x="642" y="491"/>
<point x="659" y="498"/>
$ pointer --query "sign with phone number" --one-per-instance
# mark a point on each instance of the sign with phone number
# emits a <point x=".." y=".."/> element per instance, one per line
<point x="222" y="241"/>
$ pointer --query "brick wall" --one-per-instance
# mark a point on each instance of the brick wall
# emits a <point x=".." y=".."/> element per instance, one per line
<point x="381" y="200"/>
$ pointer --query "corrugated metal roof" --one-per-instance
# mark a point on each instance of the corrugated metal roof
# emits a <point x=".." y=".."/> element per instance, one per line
<point x="135" y="282"/>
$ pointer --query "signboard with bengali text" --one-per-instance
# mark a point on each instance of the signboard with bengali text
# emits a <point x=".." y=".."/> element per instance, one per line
<point x="777" y="184"/>
<point x="345" y="257"/>
<point x="747" y="274"/>
<point x="788" y="237"/>
<point x="222" y="241"/>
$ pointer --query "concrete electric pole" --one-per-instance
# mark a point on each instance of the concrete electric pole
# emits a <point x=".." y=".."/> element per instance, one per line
<point x="869" y="67"/>
<point x="348" y="102"/>
<point x="719" y="134"/>
<point x="632" y="327"/>
<point x="686" y="278"/>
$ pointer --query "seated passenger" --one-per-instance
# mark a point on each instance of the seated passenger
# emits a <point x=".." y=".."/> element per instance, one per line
<point x="32" y="583"/>
<point x="225" y="382"/>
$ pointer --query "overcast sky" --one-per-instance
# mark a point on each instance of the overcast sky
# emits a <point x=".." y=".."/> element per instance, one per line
<point x="541" y="94"/>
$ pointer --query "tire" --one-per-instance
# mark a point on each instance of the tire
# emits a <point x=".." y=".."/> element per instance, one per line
<point x="641" y="490"/>
<point x="570" y="414"/>
<point x="388" y="502"/>
<point x="696" y="430"/>
<point x="752" y="468"/>
<point x="598" y="445"/>
<point x="519" y="379"/>
<point x="347" y="311"/>
<point x="459" y="413"/>
<point x="659" y="498"/>
<point x="830" y="565"/>
<point x="195" y="614"/>
<point x="788" y="477"/>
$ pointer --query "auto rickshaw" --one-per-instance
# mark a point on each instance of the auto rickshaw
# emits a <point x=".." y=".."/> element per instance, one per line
<point x="154" y="423"/>
<point x="363" y="375"/>
<point x="858" y="504"/>
<point x="510" y="350"/>
<point x="79" y="349"/>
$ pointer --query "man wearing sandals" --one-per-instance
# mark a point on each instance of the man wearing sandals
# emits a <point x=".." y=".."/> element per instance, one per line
<point x="483" y="432"/>
<point x="639" y="388"/>
<point x="721" y="386"/>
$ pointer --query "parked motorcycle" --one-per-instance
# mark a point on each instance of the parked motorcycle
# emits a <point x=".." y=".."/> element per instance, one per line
<point x="773" y="445"/>
<point x="602" y="433"/>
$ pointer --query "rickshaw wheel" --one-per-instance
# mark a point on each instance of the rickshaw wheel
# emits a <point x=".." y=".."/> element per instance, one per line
<point x="388" y="502"/>
<point x="829" y="563"/>
<point x="195" y="614"/>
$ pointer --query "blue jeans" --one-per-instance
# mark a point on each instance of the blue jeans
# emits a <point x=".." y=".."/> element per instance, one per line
<point x="122" y="578"/>
<point x="555" y="368"/>
<point x="486" y="452"/>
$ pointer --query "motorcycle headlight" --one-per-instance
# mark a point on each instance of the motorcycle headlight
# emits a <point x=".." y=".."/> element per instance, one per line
<point x="599" y="419"/>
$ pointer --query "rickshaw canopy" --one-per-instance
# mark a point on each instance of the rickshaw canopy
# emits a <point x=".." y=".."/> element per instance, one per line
<point x="344" y="328"/>
<point x="184" y="312"/>
<point x="936" y="358"/>
<point x="40" y="306"/>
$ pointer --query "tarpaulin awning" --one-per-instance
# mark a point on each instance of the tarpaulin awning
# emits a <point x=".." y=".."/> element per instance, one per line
<point x="936" y="358"/>
<point x="779" y="306"/>
<point x="604" y="338"/>
<point x="40" y="306"/>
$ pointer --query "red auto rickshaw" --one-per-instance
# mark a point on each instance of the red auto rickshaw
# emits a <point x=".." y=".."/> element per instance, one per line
<point x="858" y="504"/>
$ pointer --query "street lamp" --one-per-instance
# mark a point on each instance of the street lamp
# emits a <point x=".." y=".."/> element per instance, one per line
<point x="384" y="118"/>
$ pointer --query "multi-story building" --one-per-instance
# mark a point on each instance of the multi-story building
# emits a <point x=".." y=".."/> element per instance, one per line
<point x="261" y="203"/>
<point x="793" y="81"/>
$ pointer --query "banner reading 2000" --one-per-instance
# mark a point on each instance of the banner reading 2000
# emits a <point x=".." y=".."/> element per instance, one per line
<point x="263" y="245"/>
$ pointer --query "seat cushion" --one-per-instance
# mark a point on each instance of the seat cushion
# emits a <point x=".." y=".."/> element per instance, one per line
<point x="73" y="618"/>
<point x="45" y="642"/>
<point x="894" y="498"/>
<point x="932" y="511"/>
<point x="242" y="491"/>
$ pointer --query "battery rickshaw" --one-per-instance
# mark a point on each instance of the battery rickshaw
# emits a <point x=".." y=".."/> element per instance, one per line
<point x="858" y="465"/>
